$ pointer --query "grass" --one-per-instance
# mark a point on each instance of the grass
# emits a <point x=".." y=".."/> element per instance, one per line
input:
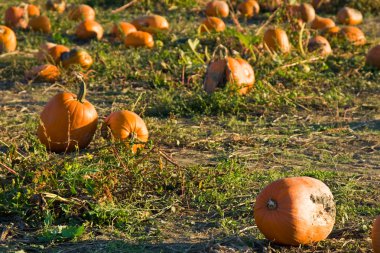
<point x="193" y="188"/>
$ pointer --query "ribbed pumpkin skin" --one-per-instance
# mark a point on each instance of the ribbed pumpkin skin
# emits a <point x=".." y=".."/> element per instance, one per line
<point x="213" y="24"/>
<point x="249" y="8"/>
<point x="66" y="123"/>
<point x="14" y="17"/>
<point x="8" y="40"/>
<point x="217" y="9"/>
<point x="122" y="29"/>
<point x="40" y="24"/>
<point x="373" y="59"/>
<point x="320" y="23"/>
<point x="33" y="10"/>
<point x="295" y="211"/>
<point x="277" y="40"/>
<point x="349" y="16"/>
<point x="82" y="12"/>
<point x="139" y="39"/>
<point x="375" y="235"/>
<point x="89" y="29"/>
<point x="45" y="73"/>
<point x="151" y="24"/>
<point x="354" y="35"/>
<point x="319" y="44"/>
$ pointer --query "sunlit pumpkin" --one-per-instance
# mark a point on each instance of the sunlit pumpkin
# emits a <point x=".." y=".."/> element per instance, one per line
<point x="217" y="9"/>
<point x="139" y="39"/>
<point x="151" y="23"/>
<point x="249" y="8"/>
<point x="320" y="45"/>
<point x="236" y="71"/>
<point x="122" y="29"/>
<point x="15" y="17"/>
<point x="89" y="29"/>
<point x="126" y="126"/>
<point x="277" y="40"/>
<point x="8" y="40"/>
<point x="349" y="16"/>
<point x="295" y="211"/>
<point x="44" y="73"/>
<point x="307" y="12"/>
<point x="373" y="59"/>
<point x="33" y="10"/>
<point x="270" y="5"/>
<point x="375" y="235"/>
<point x="55" y="53"/>
<point x="56" y="5"/>
<point x="320" y="23"/>
<point x="40" y="24"/>
<point x="213" y="24"/>
<point x="78" y="57"/>
<point x="82" y="12"/>
<point x="353" y="35"/>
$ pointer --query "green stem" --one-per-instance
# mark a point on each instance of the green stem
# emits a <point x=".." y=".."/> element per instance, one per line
<point x="82" y="91"/>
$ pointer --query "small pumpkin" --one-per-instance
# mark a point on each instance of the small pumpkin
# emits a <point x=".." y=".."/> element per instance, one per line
<point x="76" y="57"/>
<point x="56" y="5"/>
<point x="373" y="59"/>
<point x="43" y="52"/>
<point x="332" y="31"/>
<point x="151" y="23"/>
<point x="217" y="9"/>
<point x="353" y="35"/>
<point x="122" y="29"/>
<point x="375" y="235"/>
<point x="89" y="29"/>
<point x="249" y="8"/>
<point x="139" y="39"/>
<point x="349" y="16"/>
<point x="295" y="211"/>
<point x="320" y="23"/>
<point x="307" y="12"/>
<point x="40" y="24"/>
<point x="271" y="5"/>
<point x="213" y="24"/>
<point x="82" y="12"/>
<point x="67" y="121"/>
<point x="237" y="71"/>
<point x="8" y="40"/>
<point x="33" y="10"/>
<point x="44" y="73"/>
<point x="55" y="53"/>
<point x="277" y="40"/>
<point x="126" y="126"/>
<point x="320" y="45"/>
<point x="15" y="17"/>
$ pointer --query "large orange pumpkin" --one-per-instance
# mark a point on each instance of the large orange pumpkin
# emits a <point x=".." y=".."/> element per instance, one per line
<point x="122" y="29"/>
<point x="56" y="5"/>
<point x="126" y="126"/>
<point x="320" y="45"/>
<point x="217" y="9"/>
<point x="82" y="12"/>
<point x="67" y="121"/>
<point x="236" y="71"/>
<point x="89" y="29"/>
<point x="76" y="57"/>
<point x="151" y="23"/>
<point x="15" y="17"/>
<point x="295" y="211"/>
<point x="40" y="24"/>
<point x="320" y="23"/>
<point x="33" y="10"/>
<point x="349" y="16"/>
<point x="373" y="57"/>
<point x="277" y="40"/>
<point x="8" y="40"/>
<point x="375" y="235"/>
<point x="45" y="73"/>
<point x="139" y="39"/>
<point x="249" y="8"/>
<point x="353" y="35"/>
<point x="213" y="24"/>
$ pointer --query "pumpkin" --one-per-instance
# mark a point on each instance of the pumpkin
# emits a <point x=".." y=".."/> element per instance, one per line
<point x="295" y="211"/>
<point x="55" y="53"/>
<point x="349" y="16"/>
<point x="320" y="23"/>
<point x="373" y="57"/>
<point x="319" y="44"/>
<point x="307" y="12"/>
<point x="276" y="40"/>
<point x="332" y="31"/>
<point x="89" y="29"/>
<point x="353" y="35"/>
<point x="15" y="17"/>
<point x="82" y="12"/>
<point x="139" y="39"/>
<point x="76" y="57"/>
<point x="270" y="5"/>
<point x="151" y="24"/>
<point x="56" y="5"/>
<point x="126" y="126"/>
<point x="45" y="73"/>
<point x="249" y="8"/>
<point x="43" y="51"/>
<point x="237" y="71"/>
<point x="122" y="29"/>
<point x="40" y="23"/>
<point x="217" y="9"/>
<point x="67" y="121"/>
<point x="8" y="40"/>
<point x="375" y="235"/>
<point x="213" y="24"/>
<point x="33" y="10"/>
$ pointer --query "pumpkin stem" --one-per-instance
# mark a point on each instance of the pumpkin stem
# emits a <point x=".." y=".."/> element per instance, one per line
<point x="272" y="204"/>
<point x="82" y="90"/>
<point x="223" y="52"/>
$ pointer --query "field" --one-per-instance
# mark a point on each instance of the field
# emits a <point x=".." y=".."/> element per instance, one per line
<point x="194" y="185"/>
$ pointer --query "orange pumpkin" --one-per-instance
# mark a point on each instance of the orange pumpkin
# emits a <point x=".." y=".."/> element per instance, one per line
<point x="213" y="24"/>
<point x="373" y="59"/>
<point x="45" y="73"/>
<point x="320" y="23"/>
<point x="139" y="39"/>
<point x="82" y="12"/>
<point x="307" y="12"/>
<point x="237" y="71"/>
<point x="40" y="24"/>
<point x="56" y="5"/>
<point x="76" y="57"/>
<point x="277" y="40"/>
<point x="353" y="35"/>
<point x="320" y="45"/>
<point x="295" y="211"/>
<point x="55" y="53"/>
<point x="8" y="40"/>
<point x="375" y="235"/>
<point x="43" y="52"/>
<point x="217" y="9"/>
<point x="122" y="29"/>
<point x="126" y="126"/>
<point x="349" y="16"/>
<point x="271" y="5"/>
<point x="15" y="17"/>
<point x="151" y="24"/>
<point x="89" y="29"/>
<point x="249" y="8"/>
<point x="332" y="31"/>
<point x="33" y="10"/>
